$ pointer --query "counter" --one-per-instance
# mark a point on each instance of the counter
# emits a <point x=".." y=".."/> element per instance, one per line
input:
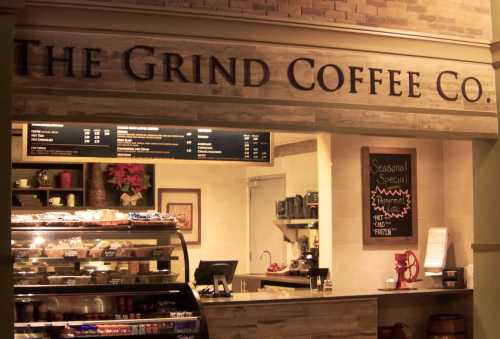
<point x="341" y="313"/>
<point x="253" y="282"/>
<point x="308" y="295"/>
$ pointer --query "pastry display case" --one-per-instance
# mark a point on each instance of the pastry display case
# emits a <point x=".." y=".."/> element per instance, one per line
<point x="102" y="273"/>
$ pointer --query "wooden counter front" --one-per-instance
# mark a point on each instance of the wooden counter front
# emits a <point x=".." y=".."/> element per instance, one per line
<point x="349" y="318"/>
<point x="302" y="314"/>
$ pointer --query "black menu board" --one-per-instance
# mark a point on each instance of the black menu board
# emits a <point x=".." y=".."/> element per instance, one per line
<point x="65" y="140"/>
<point x="151" y="142"/>
<point x="389" y="196"/>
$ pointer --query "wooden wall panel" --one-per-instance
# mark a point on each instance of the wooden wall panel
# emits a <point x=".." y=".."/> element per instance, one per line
<point x="316" y="320"/>
<point x="209" y="113"/>
<point x="277" y="104"/>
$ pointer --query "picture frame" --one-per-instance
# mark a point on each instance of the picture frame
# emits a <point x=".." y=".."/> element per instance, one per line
<point x="184" y="214"/>
<point x="185" y="202"/>
<point x="389" y="182"/>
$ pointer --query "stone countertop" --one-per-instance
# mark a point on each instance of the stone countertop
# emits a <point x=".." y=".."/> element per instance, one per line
<point x="308" y="295"/>
<point x="278" y="278"/>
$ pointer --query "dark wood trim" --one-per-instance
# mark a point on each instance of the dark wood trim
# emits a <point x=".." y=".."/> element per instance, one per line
<point x="301" y="147"/>
<point x="162" y="191"/>
<point x="7" y="30"/>
<point x="482" y="247"/>
<point x="11" y="6"/>
<point x="367" y="239"/>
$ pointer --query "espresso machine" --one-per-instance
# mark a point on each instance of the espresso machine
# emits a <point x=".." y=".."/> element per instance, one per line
<point x="308" y="258"/>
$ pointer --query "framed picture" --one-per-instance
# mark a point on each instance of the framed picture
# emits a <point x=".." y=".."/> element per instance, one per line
<point x="389" y="196"/>
<point x="185" y="204"/>
<point x="184" y="214"/>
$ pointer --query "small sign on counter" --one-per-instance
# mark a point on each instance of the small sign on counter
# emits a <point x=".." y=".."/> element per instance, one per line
<point x="389" y="196"/>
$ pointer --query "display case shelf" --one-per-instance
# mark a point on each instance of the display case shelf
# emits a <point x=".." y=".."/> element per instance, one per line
<point x="56" y="261"/>
<point x="22" y="291"/>
<point x="102" y="322"/>
<point x="92" y="229"/>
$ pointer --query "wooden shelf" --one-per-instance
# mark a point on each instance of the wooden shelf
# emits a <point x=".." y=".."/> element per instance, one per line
<point x="47" y="189"/>
<point x="81" y="178"/>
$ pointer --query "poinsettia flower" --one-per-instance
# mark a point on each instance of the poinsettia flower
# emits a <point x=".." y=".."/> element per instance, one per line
<point x="129" y="178"/>
<point x="136" y="168"/>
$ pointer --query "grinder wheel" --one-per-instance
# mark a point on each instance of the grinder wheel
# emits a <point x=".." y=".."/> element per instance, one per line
<point x="412" y="267"/>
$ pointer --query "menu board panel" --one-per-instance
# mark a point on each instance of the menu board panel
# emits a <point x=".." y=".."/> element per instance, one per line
<point x="58" y="140"/>
<point x="150" y="142"/>
<point x="389" y="195"/>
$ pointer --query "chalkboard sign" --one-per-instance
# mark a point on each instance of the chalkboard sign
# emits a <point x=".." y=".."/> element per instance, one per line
<point x="145" y="142"/>
<point x="389" y="196"/>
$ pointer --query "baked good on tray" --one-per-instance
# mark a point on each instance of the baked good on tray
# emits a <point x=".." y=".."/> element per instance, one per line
<point x="96" y="218"/>
<point x="151" y="218"/>
<point x="70" y="248"/>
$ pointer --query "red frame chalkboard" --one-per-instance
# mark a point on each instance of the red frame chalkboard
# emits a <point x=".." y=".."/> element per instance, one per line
<point x="368" y="239"/>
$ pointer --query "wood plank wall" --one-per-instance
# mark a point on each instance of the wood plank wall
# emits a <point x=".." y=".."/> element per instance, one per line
<point x="345" y="319"/>
<point x="276" y="105"/>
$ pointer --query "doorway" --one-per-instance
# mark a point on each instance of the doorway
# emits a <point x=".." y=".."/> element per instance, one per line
<point x="264" y="235"/>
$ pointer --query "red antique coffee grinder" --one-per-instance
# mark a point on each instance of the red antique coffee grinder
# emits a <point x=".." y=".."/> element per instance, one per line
<point x="407" y="268"/>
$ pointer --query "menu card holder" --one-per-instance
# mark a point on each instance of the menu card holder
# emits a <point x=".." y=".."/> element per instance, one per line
<point x="435" y="254"/>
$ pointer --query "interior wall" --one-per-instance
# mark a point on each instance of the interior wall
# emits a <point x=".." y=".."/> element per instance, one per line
<point x="458" y="198"/>
<point x="223" y="209"/>
<point x="301" y="175"/>
<point x="440" y="166"/>
<point x="16" y="148"/>
<point x="469" y="19"/>
<point x="300" y="171"/>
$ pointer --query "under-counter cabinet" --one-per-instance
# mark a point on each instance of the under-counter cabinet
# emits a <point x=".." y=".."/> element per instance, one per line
<point x="318" y="319"/>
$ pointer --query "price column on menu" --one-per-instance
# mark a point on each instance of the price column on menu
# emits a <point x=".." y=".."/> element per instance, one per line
<point x="255" y="147"/>
<point x="71" y="140"/>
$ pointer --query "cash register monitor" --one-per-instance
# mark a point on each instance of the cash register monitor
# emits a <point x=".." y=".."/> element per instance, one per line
<point x="216" y="272"/>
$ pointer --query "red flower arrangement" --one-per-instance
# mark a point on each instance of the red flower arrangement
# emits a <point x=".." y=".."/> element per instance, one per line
<point x="129" y="178"/>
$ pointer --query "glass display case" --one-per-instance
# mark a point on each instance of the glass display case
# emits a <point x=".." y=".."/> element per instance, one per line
<point x="103" y="280"/>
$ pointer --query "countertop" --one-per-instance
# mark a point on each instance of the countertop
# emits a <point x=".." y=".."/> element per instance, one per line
<point x="279" y="278"/>
<point x="308" y="295"/>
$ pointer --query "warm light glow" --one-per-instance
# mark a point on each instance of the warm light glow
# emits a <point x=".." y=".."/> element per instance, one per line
<point x="39" y="240"/>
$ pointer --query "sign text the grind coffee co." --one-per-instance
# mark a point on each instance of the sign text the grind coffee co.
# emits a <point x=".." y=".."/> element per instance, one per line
<point x="102" y="77"/>
<point x="172" y="66"/>
<point x="389" y="196"/>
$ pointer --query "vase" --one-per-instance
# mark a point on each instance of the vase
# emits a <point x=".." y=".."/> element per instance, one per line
<point x="128" y="200"/>
<point x="97" y="190"/>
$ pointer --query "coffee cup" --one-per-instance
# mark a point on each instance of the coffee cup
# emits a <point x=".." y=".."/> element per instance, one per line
<point x="70" y="200"/>
<point x="55" y="201"/>
<point x="22" y="183"/>
<point x="390" y="284"/>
